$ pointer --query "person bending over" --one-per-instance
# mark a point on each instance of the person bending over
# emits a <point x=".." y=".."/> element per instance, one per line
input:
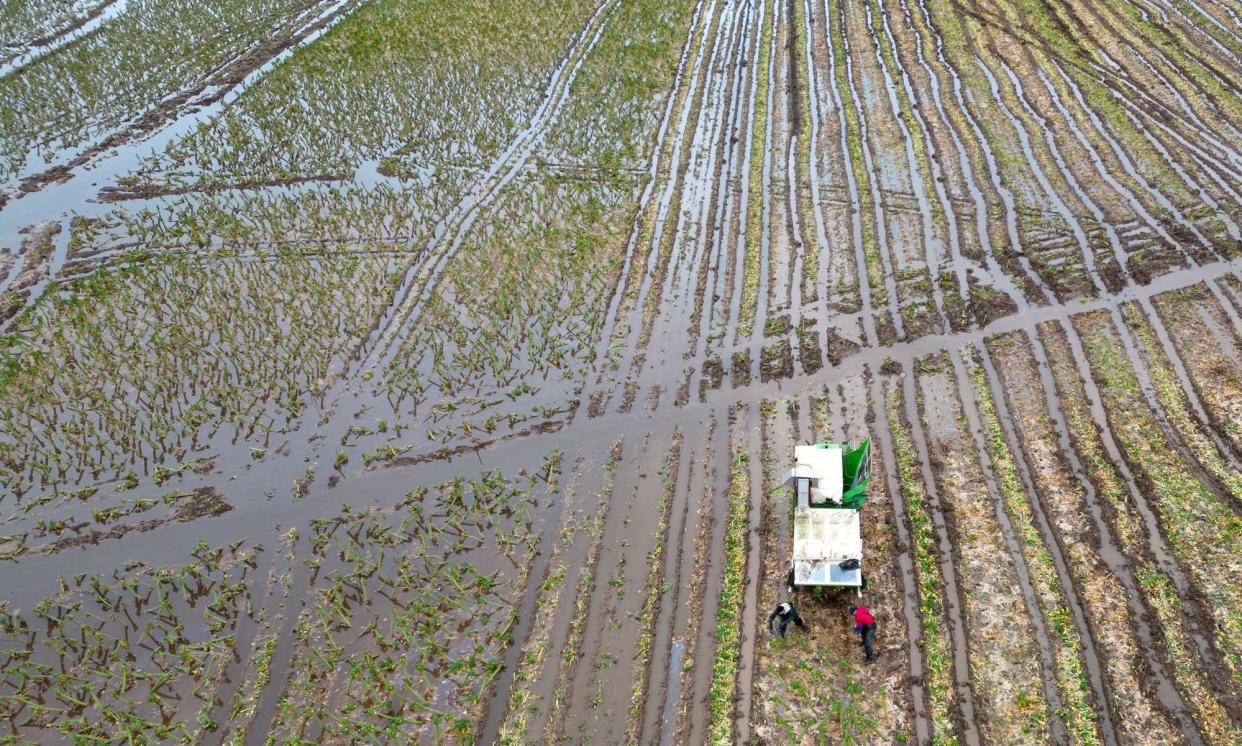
<point x="864" y="625"/>
<point x="786" y="613"/>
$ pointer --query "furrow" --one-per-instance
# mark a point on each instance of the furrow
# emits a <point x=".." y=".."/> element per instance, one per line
<point x="921" y="610"/>
<point x="423" y="276"/>
<point x="861" y="151"/>
<point x="955" y="614"/>
<point x="1016" y="248"/>
<point x="1085" y="700"/>
<point x="1118" y="616"/>
<point x="1139" y="532"/>
<point x="622" y="319"/>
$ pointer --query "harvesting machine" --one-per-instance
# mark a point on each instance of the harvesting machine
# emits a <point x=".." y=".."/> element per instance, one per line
<point x="829" y="482"/>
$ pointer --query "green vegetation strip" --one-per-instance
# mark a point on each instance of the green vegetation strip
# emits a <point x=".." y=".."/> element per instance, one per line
<point x="1203" y="531"/>
<point x="137" y="352"/>
<point x="100" y="661"/>
<point x="754" y="186"/>
<point x="801" y="188"/>
<point x="728" y="613"/>
<point x="1158" y="587"/>
<point x="653" y="589"/>
<point x="1176" y="407"/>
<point x="809" y="672"/>
<point x="862" y="179"/>
<point x="935" y="641"/>
<point x="534" y="652"/>
<point x="1072" y="681"/>
<point x="410" y="610"/>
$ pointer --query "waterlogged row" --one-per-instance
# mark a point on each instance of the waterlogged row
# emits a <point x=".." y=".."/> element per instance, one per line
<point x="131" y="67"/>
<point x="385" y="213"/>
<point x="523" y="301"/>
<point x="31" y="24"/>
<point x="119" y="374"/>
<point x="377" y="623"/>
<point x="1003" y="168"/>
<point x="409" y="613"/>
<point x="441" y="83"/>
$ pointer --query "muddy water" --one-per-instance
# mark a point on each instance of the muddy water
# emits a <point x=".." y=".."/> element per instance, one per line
<point x="880" y="224"/>
<point x="77" y="189"/>
<point x="1112" y="555"/>
<point x="905" y="564"/>
<point x="88" y="24"/>
<point x="948" y="571"/>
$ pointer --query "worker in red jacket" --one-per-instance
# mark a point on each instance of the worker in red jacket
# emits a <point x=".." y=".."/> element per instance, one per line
<point x="864" y="624"/>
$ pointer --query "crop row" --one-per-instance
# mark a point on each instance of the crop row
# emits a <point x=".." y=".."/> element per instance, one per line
<point x="407" y="613"/>
<point x="136" y="656"/>
<point x="129" y="67"/>
<point x="380" y="621"/>
<point x="438" y="82"/>
<point x="136" y="369"/>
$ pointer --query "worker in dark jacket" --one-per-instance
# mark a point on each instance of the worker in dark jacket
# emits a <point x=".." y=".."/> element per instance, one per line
<point x="864" y="625"/>
<point x="787" y="613"/>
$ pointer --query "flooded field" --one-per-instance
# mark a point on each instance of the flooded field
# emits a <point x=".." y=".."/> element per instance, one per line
<point x="377" y="371"/>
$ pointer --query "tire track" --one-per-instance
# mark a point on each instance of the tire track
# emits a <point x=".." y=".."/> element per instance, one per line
<point x="1119" y="255"/>
<point x="673" y="267"/>
<point x="627" y="297"/>
<point x="450" y="232"/>
<point x="1164" y="203"/>
<point x="727" y="234"/>
<point x="691" y="721"/>
<point x="885" y="252"/>
<point x="667" y="168"/>
<point x="1034" y="610"/>
<point x="1190" y="26"/>
<point x="994" y="174"/>
<point x="1187" y="117"/>
<point x="695" y="274"/>
<point x="962" y="680"/>
<point x="1163" y="556"/>
<point x="737" y="295"/>
<point x="904" y="560"/>
<point x="1059" y="207"/>
<point x="79" y="28"/>
<point x="750" y="427"/>
<point x="861" y="273"/>
<point x="149" y="131"/>
<point x="797" y="246"/>
<point x="686" y="267"/>
<point x="781" y="254"/>
<point x="952" y="224"/>
<point x="1129" y="344"/>
<point x="764" y="290"/>
<point x="44" y="197"/>
<point x="933" y="249"/>
<point x="814" y="89"/>
<point x="1118" y="563"/>
<point x="1138" y="48"/>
